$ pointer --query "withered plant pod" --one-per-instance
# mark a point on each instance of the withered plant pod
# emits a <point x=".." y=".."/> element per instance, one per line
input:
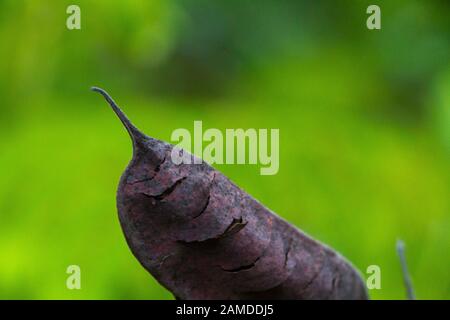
<point x="202" y="237"/>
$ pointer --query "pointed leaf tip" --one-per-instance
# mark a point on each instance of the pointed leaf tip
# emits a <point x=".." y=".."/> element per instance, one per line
<point x="136" y="135"/>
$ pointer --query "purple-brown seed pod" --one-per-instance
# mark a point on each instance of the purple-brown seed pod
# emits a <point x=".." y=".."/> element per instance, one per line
<point x="202" y="237"/>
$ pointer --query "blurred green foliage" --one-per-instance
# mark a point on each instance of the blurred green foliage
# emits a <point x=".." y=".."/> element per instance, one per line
<point x="364" y="120"/>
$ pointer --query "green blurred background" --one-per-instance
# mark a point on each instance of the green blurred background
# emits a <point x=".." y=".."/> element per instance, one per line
<point x="364" y="120"/>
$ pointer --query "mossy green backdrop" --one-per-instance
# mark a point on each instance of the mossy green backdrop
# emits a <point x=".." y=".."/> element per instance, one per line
<point x="364" y="119"/>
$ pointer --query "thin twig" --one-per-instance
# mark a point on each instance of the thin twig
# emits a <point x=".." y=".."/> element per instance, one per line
<point x="406" y="278"/>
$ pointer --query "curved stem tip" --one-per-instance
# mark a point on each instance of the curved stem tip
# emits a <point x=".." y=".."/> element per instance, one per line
<point x="136" y="135"/>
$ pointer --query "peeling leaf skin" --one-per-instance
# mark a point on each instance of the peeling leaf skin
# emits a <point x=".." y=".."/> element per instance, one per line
<point x="202" y="237"/>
